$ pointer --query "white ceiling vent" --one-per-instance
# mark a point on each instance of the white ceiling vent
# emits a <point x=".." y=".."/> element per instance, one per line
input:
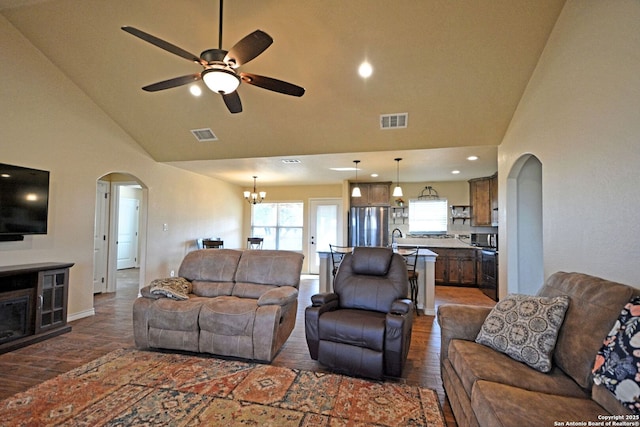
<point x="204" y="135"/>
<point x="394" y="121"/>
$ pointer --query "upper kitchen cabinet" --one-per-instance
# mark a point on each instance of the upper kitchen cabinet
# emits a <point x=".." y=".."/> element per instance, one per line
<point x="483" y="193"/>
<point x="373" y="194"/>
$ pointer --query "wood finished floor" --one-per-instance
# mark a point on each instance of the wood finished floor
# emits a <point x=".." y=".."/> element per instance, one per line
<point x="111" y="328"/>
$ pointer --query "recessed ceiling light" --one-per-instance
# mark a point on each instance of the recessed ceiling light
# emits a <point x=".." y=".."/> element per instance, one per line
<point x="472" y="158"/>
<point x="455" y="172"/>
<point x="195" y="90"/>
<point x="365" y="70"/>
<point x="374" y="175"/>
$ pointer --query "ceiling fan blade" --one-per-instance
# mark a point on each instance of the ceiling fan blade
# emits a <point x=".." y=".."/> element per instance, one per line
<point x="232" y="101"/>
<point x="175" y="82"/>
<point x="163" y="44"/>
<point x="272" y="84"/>
<point x="248" y="48"/>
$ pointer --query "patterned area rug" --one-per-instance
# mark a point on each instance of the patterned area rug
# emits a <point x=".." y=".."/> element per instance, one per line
<point x="133" y="387"/>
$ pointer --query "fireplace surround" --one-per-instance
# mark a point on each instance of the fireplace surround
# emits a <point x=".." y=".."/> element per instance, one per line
<point x="33" y="303"/>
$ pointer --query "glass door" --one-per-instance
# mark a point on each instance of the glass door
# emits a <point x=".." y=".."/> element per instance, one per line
<point x="325" y="227"/>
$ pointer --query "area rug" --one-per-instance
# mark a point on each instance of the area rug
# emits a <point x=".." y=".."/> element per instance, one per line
<point x="133" y="387"/>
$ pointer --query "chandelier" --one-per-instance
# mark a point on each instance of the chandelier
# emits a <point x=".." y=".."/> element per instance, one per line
<point x="254" y="197"/>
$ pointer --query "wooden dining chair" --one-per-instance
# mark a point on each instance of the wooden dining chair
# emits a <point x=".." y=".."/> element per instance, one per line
<point x="254" y="242"/>
<point x="212" y="244"/>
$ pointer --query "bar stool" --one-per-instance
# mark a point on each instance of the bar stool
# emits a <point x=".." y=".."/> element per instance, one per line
<point x="337" y="253"/>
<point x="411" y="258"/>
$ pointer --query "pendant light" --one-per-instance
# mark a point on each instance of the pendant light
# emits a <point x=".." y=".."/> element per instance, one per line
<point x="397" y="192"/>
<point x="356" y="190"/>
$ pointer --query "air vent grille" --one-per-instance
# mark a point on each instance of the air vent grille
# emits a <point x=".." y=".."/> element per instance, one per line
<point x="394" y="121"/>
<point x="290" y="161"/>
<point x="204" y="135"/>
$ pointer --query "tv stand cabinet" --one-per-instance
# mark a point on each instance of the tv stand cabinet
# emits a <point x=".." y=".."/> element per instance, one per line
<point x="34" y="303"/>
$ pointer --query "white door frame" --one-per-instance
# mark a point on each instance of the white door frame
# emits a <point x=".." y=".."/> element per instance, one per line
<point x="112" y="253"/>
<point x="313" y="265"/>
<point x="100" y="236"/>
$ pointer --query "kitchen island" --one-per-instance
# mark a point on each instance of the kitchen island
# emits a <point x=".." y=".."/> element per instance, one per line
<point x="426" y="278"/>
<point x="458" y="263"/>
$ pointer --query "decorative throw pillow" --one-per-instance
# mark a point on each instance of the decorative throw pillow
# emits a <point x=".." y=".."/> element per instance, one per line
<point x="525" y="328"/>
<point x="172" y="287"/>
<point x="617" y="364"/>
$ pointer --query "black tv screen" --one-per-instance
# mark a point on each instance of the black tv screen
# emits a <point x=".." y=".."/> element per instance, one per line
<point x="24" y="200"/>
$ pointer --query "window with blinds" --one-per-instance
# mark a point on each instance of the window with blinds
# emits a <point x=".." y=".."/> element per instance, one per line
<point x="428" y="216"/>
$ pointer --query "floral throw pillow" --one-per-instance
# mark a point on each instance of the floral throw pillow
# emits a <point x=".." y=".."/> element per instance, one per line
<point x="525" y="328"/>
<point x="617" y="364"/>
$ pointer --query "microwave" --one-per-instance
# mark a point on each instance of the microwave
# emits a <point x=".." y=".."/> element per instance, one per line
<point x="484" y="240"/>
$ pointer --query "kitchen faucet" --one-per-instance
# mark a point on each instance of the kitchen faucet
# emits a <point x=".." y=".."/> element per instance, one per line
<point x="393" y="235"/>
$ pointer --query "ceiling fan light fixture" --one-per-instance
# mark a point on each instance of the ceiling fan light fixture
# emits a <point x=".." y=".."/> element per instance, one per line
<point x="220" y="80"/>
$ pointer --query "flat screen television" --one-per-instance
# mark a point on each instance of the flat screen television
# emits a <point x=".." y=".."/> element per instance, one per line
<point x="24" y="201"/>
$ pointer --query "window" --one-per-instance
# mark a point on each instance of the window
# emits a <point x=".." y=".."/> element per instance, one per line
<point x="428" y="216"/>
<point x="279" y="224"/>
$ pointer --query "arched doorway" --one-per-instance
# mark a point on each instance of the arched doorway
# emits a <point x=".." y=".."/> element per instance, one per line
<point x="120" y="228"/>
<point x="525" y="262"/>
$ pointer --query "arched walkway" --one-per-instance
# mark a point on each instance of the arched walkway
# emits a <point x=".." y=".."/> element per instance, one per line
<point x="525" y="263"/>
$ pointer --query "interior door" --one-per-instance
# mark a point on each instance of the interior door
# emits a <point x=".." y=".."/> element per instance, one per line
<point x="128" y="232"/>
<point x="100" y="233"/>
<point x="325" y="225"/>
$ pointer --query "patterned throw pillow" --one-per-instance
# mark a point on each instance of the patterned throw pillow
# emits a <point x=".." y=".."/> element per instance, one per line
<point x="172" y="287"/>
<point x="525" y="328"/>
<point x="617" y="365"/>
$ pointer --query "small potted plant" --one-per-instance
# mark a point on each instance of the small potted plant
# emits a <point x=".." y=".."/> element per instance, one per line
<point x="400" y="202"/>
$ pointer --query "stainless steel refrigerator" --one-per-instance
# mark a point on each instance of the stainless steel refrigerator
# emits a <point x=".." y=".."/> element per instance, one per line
<point x="369" y="226"/>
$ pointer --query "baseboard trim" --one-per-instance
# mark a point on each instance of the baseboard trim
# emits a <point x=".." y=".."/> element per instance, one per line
<point x="81" y="315"/>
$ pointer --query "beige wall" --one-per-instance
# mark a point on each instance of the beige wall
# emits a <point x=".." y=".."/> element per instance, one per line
<point x="580" y="116"/>
<point x="48" y="123"/>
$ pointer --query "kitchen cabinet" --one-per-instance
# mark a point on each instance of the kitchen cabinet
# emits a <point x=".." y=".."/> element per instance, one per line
<point x="483" y="195"/>
<point x="373" y="194"/>
<point x="456" y="266"/>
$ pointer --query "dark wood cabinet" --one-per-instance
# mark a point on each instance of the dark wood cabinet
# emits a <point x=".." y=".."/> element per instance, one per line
<point x="33" y="303"/>
<point x="483" y="195"/>
<point x="456" y="266"/>
<point x="373" y="194"/>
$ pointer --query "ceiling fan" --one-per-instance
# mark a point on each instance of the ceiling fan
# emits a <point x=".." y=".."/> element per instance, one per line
<point x="220" y="67"/>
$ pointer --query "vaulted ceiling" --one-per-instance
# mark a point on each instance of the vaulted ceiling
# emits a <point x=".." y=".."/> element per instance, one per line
<point x="458" y="68"/>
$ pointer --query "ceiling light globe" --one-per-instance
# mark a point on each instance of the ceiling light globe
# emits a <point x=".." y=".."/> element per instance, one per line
<point x="397" y="192"/>
<point x="220" y="80"/>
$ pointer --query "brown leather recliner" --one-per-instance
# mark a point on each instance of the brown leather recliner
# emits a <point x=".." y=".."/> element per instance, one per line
<point x="364" y="327"/>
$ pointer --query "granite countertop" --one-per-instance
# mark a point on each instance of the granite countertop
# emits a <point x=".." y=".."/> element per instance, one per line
<point x="432" y="242"/>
